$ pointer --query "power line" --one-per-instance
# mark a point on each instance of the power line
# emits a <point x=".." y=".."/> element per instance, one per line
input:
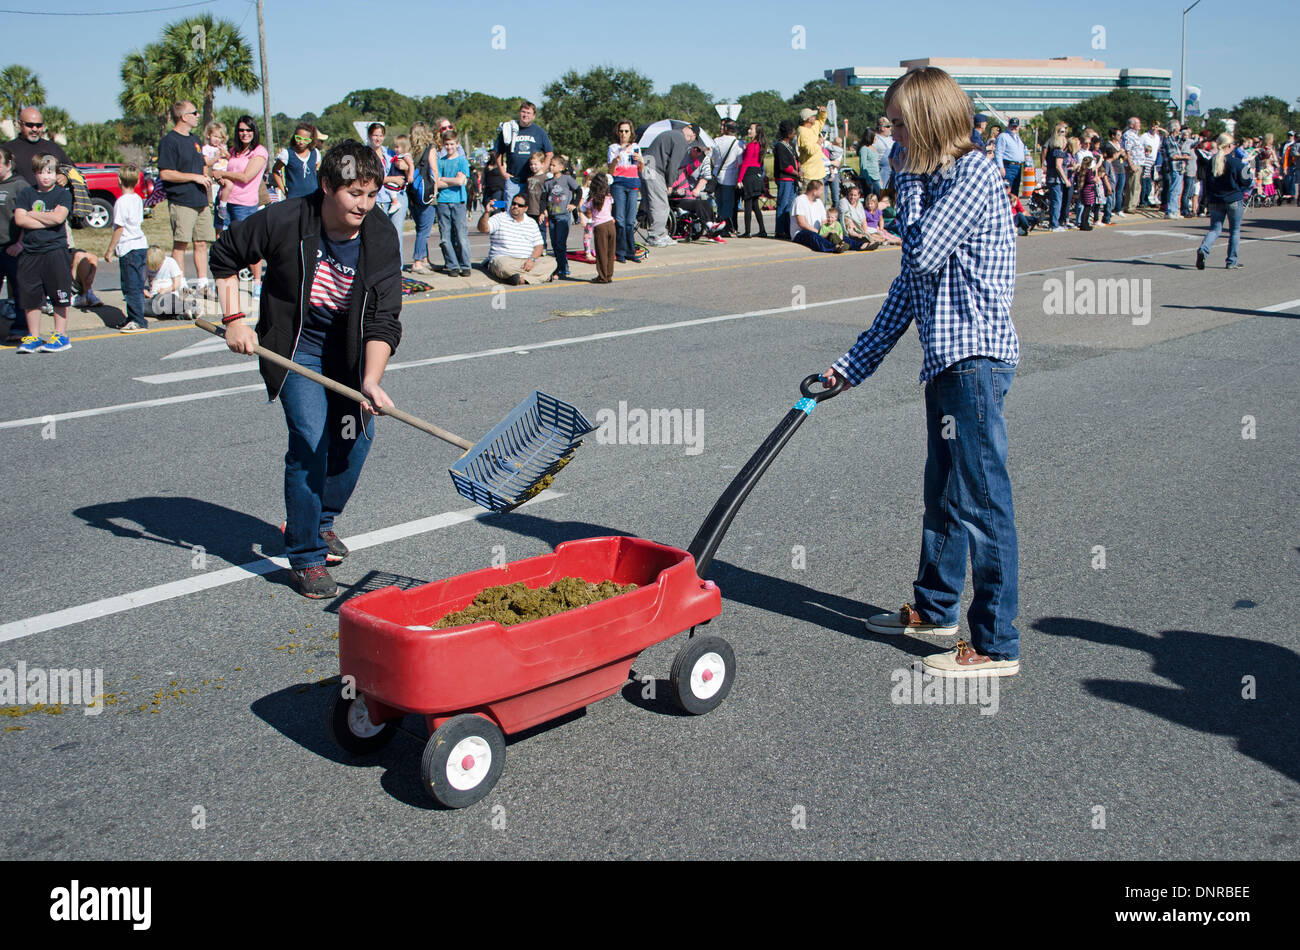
<point x="179" y="6"/>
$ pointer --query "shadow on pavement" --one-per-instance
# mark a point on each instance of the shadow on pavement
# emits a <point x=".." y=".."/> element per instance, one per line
<point x="1210" y="691"/>
<point x="233" y="536"/>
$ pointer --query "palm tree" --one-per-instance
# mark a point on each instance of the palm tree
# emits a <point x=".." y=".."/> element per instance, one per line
<point x="57" y="120"/>
<point x="147" y="89"/>
<point x="205" y="54"/>
<point x="19" y="88"/>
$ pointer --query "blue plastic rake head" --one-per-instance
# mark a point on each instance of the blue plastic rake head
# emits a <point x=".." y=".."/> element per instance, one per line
<point x="518" y="458"/>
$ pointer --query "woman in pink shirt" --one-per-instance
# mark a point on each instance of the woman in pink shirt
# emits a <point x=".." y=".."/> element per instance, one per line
<point x="244" y="170"/>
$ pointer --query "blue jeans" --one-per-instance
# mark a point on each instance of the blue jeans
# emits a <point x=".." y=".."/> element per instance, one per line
<point x="512" y="188"/>
<point x="784" y="203"/>
<point x="725" y="195"/>
<point x="626" y="201"/>
<point x="1173" y="191"/>
<point x="396" y="211"/>
<point x="1117" y="199"/>
<point x="833" y="187"/>
<point x="240" y="212"/>
<point x="1218" y="211"/>
<point x="322" y="464"/>
<point x="1147" y="184"/>
<point x="424" y="216"/>
<point x="1055" y="197"/>
<point x="453" y="234"/>
<point x="1011" y="172"/>
<point x="130" y="267"/>
<point x="558" y="224"/>
<point x="968" y="507"/>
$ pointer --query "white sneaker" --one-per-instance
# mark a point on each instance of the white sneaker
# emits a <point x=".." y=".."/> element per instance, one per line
<point x="131" y="327"/>
<point x="1058" y="229"/>
<point x="664" y="241"/>
<point x="47" y="308"/>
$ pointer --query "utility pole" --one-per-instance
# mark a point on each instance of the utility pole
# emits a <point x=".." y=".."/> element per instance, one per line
<point x="266" y="82"/>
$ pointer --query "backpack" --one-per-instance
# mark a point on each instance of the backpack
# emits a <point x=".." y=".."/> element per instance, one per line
<point x="640" y="253"/>
<point x="423" y="185"/>
<point x="82" y="206"/>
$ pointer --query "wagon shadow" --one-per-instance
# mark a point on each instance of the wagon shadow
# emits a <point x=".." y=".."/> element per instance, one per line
<point x="773" y="594"/>
<point x="300" y="712"/>
<point x="1208" y="673"/>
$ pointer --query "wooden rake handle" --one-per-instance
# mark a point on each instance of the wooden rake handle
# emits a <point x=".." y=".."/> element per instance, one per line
<point x="349" y="392"/>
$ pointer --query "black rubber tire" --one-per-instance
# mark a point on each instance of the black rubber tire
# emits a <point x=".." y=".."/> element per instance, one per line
<point x="348" y="740"/>
<point x="433" y="764"/>
<point x="684" y="663"/>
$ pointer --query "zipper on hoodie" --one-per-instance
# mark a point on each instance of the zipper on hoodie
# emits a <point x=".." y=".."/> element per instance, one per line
<point x="302" y="314"/>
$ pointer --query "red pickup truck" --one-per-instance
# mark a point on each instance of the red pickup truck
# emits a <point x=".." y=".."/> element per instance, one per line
<point x="104" y="188"/>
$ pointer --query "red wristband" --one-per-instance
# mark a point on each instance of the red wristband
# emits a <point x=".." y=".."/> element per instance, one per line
<point x="232" y="318"/>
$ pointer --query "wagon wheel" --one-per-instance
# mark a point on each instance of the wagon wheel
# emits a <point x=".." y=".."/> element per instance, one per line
<point x="463" y="760"/>
<point x="350" y="725"/>
<point x="702" y="673"/>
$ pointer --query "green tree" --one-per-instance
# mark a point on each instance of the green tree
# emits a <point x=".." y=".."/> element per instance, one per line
<point x="688" y="102"/>
<point x="1109" y="111"/>
<point x="207" y="54"/>
<point x="766" y="107"/>
<point x="148" y="89"/>
<point x="579" y="112"/>
<point x="95" y="142"/>
<point x="57" y="121"/>
<point x="19" y="88"/>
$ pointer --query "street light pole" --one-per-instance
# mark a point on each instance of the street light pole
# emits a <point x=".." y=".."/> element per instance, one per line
<point x="266" y="81"/>
<point x="1182" y="72"/>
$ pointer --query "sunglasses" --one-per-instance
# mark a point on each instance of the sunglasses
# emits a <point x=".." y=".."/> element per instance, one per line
<point x="302" y="138"/>
<point x="241" y="131"/>
<point x="516" y="204"/>
<point x="33" y="125"/>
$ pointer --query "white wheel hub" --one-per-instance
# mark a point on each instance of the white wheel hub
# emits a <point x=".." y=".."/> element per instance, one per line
<point x="359" y="720"/>
<point x="707" y="676"/>
<point x="468" y="763"/>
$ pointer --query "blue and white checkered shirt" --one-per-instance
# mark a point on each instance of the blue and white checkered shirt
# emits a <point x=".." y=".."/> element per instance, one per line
<point x="958" y="275"/>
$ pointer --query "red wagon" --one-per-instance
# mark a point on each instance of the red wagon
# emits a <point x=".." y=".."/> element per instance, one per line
<point x="477" y="683"/>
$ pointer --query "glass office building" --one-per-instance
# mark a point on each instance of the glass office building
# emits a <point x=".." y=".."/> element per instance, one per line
<point x="1019" y="87"/>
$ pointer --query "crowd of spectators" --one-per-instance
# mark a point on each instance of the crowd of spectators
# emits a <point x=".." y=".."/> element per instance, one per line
<point x="675" y="187"/>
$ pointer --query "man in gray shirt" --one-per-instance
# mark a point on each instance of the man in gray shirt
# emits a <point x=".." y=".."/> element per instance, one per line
<point x="663" y="159"/>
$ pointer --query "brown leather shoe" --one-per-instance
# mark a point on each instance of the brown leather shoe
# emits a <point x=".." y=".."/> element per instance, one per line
<point x="965" y="661"/>
<point x="907" y="620"/>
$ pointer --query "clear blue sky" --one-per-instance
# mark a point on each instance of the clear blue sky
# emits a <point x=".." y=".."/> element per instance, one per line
<point x="322" y="49"/>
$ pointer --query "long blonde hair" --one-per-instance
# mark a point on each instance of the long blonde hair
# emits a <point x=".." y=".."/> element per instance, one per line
<point x="938" y="116"/>
<point x="421" y="138"/>
<point x="1225" y="143"/>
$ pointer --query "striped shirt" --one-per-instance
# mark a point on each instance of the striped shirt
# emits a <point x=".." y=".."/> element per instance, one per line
<point x="511" y="238"/>
<point x="958" y="274"/>
<point x="331" y="290"/>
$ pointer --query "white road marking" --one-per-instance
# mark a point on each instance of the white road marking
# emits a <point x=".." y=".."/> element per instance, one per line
<point x="1279" y="307"/>
<point x="210" y="345"/>
<point x="523" y="348"/>
<point x="122" y="407"/>
<point x="230" y="575"/>
<point x="1177" y="234"/>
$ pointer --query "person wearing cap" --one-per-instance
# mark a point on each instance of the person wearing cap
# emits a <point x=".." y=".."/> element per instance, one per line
<point x="977" y="133"/>
<point x="812" y="163"/>
<point x="1009" y="153"/>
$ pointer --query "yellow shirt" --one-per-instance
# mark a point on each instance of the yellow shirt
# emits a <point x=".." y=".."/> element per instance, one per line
<point x="812" y="163"/>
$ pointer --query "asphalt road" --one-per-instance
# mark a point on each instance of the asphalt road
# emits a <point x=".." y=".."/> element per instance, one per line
<point x="1158" y="694"/>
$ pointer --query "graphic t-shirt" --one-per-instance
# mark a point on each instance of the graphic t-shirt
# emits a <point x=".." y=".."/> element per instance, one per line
<point x="557" y="195"/>
<point x="183" y="153"/>
<point x="53" y="237"/>
<point x="522" y="145"/>
<point x="331" y="290"/>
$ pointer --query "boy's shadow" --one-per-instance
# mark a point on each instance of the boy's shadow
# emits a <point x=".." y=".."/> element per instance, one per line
<point x="1212" y="691"/>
